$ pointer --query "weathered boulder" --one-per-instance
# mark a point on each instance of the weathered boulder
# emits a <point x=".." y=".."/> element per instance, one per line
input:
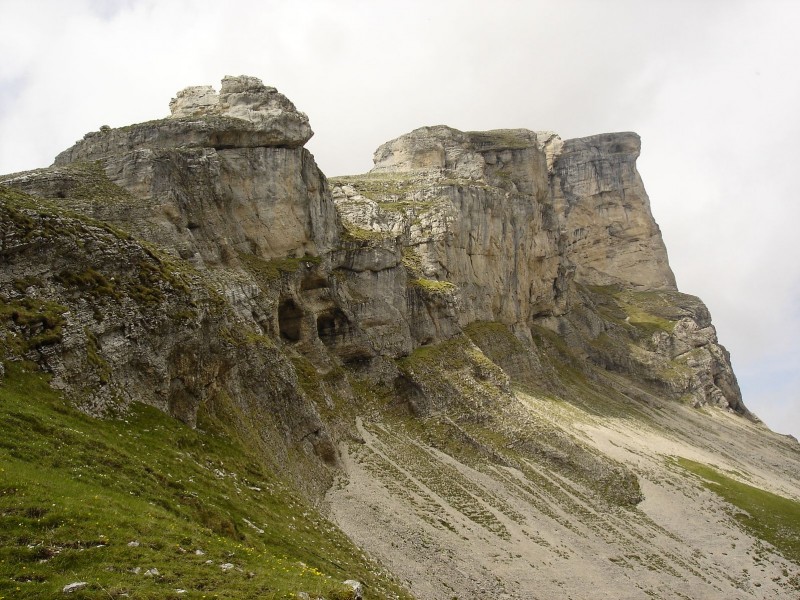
<point x="74" y="587"/>
<point x="358" y="589"/>
<point x="194" y="101"/>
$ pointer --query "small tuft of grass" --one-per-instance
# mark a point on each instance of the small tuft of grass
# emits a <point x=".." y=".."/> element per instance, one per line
<point x="29" y="323"/>
<point x="433" y="286"/>
<point x="272" y="270"/>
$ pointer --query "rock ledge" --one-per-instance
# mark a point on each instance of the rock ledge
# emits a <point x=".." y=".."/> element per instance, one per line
<point x="245" y="114"/>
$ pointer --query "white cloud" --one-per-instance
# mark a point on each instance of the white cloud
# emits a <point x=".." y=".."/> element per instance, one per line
<point x="710" y="86"/>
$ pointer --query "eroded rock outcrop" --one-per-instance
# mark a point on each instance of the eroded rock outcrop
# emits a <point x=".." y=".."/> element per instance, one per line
<point x="245" y="114"/>
<point x="608" y="230"/>
<point x="449" y="229"/>
<point x="512" y="220"/>
<point x="422" y="328"/>
<point x="225" y="174"/>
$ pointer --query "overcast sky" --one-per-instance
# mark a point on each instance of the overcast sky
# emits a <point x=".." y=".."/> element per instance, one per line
<point x="712" y="87"/>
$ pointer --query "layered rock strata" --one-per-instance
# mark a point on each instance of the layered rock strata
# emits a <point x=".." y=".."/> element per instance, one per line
<point x="449" y="229"/>
<point x="479" y="342"/>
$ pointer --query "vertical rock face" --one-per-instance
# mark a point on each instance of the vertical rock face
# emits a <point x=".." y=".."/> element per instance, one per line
<point x="477" y="214"/>
<point x="609" y="232"/>
<point x="515" y="219"/>
<point x="224" y="174"/>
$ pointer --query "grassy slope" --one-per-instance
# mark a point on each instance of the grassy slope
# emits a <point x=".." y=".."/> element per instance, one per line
<point x="75" y="492"/>
<point x="767" y="516"/>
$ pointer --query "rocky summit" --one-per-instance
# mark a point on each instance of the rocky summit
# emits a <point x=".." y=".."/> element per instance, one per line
<point x="465" y="374"/>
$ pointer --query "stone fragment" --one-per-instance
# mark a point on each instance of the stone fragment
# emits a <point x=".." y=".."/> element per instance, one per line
<point x="74" y="587"/>
<point x="194" y="101"/>
<point x="358" y="589"/>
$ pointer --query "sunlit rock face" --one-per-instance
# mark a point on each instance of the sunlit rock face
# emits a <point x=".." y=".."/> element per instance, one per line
<point x="224" y="174"/>
<point x="609" y="232"/>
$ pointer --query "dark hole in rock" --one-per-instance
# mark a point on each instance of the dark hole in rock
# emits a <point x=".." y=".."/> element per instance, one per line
<point x="358" y="361"/>
<point x="289" y="318"/>
<point x="331" y="324"/>
<point x="313" y="282"/>
<point x="409" y="393"/>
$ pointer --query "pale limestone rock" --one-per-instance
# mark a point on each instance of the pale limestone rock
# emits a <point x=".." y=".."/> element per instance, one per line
<point x="194" y="101"/>
<point x="358" y="589"/>
<point x="222" y="176"/>
<point x="508" y="219"/>
<point x="245" y="114"/>
<point x="245" y="98"/>
<point x="471" y="212"/>
<point x="608" y="231"/>
<point x="74" y="587"/>
<point x="492" y="216"/>
<point x="551" y="144"/>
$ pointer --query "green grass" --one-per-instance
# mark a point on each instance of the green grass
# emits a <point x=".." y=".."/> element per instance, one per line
<point x="500" y="139"/>
<point x="433" y="286"/>
<point x="377" y="186"/>
<point x="495" y="339"/>
<point x="147" y="275"/>
<point x="650" y="311"/>
<point x="354" y="233"/>
<point x="82" y="183"/>
<point x="274" y="269"/>
<point x="28" y="323"/>
<point x="768" y="516"/>
<point x="646" y="321"/>
<point x="75" y="492"/>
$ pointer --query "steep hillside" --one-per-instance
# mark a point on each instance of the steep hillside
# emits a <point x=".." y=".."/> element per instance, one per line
<point x="472" y="360"/>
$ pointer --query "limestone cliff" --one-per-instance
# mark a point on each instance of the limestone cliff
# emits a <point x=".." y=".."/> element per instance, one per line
<point x="203" y="261"/>
<point x="448" y="229"/>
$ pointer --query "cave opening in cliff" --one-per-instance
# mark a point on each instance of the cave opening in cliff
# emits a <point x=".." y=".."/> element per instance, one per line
<point x="331" y="324"/>
<point x="289" y="320"/>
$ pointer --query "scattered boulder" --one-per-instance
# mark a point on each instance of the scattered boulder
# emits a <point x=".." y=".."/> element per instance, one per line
<point x="358" y="588"/>
<point x="74" y="587"/>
